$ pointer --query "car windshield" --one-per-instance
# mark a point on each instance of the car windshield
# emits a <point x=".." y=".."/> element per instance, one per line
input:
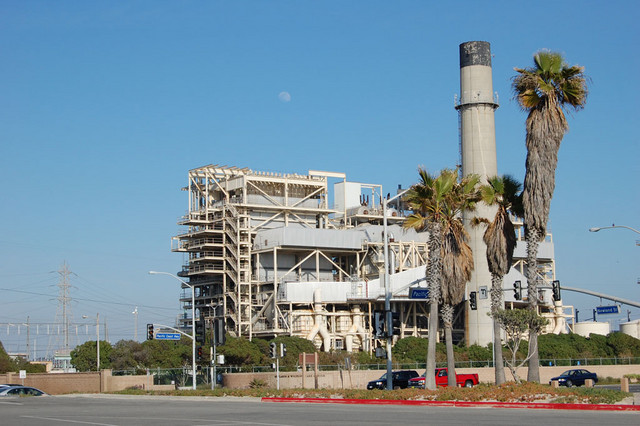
<point x="435" y="372"/>
<point x="567" y="373"/>
<point x="384" y="377"/>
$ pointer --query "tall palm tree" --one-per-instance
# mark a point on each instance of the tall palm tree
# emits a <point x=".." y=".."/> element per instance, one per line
<point x="544" y="91"/>
<point x="500" y="238"/>
<point x="427" y="201"/>
<point x="457" y="258"/>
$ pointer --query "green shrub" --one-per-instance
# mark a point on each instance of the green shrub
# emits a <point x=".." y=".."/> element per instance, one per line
<point x="257" y="384"/>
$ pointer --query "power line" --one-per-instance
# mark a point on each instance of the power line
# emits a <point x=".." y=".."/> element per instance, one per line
<point x="89" y="300"/>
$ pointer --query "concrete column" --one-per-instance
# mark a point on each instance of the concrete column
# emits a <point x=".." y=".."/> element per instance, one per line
<point x="624" y="384"/>
<point x="478" y="152"/>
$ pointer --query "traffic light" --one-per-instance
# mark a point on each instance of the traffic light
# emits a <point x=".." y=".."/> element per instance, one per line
<point x="395" y="323"/>
<point x="200" y="332"/>
<point x="517" y="290"/>
<point x="473" y="301"/>
<point x="556" y="290"/>
<point x="283" y="350"/>
<point x="219" y="332"/>
<point x="199" y="354"/>
<point x="378" y="324"/>
<point x="149" y="331"/>
<point x="272" y="350"/>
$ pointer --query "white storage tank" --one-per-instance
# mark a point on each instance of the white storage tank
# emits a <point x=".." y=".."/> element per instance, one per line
<point x="631" y="328"/>
<point x="586" y="328"/>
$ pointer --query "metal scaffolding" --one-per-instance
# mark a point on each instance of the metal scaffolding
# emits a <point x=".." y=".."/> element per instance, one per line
<point x="269" y="254"/>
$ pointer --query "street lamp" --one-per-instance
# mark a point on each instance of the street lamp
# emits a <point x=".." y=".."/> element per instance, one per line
<point x="193" y="322"/>
<point x="387" y="288"/>
<point x="612" y="227"/>
<point x="97" y="340"/>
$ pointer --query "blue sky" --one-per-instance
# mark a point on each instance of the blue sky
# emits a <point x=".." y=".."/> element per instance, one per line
<point x="105" y="106"/>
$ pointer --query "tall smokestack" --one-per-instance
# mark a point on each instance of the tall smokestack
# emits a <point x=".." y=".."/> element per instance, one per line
<point x="478" y="151"/>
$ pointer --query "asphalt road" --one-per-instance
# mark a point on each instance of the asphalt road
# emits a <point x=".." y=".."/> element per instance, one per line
<point x="633" y="387"/>
<point x="116" y="410"/>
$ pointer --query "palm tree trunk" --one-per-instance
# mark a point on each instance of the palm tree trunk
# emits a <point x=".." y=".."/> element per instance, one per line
<point x="433" y="275"/>
<point x="430" y="378"/>
<point x="496" y="303"/>
<point x="533" y="374"/>
<point x="447" y="319"/>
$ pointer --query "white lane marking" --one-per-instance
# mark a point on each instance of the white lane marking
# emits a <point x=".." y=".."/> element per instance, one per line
<point x="68" y="421"/>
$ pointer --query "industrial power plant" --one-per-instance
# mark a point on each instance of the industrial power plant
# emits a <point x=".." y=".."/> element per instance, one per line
<point x="302" y="255"/>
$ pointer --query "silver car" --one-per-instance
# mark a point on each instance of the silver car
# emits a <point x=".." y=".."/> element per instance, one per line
<point x="21" y="391"/>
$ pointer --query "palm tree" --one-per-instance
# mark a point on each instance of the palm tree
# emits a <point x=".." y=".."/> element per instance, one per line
<point x="437" y="203"/>
<point x="500" y="238"/>
<point x="427" y="201"/>
<point x="457" y="258"/>
<point x="543" y="90"/>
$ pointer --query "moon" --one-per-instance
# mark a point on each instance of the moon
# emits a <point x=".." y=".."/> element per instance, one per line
<point x="284" y="96"/>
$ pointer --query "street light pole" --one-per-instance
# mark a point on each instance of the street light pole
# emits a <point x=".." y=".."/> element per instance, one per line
<point x="98" y="341"/>
<point x="135" y="325"/>
<point x="193" y="322"/>
<point x="612" y="227"/>
<point x="387" y="288"/>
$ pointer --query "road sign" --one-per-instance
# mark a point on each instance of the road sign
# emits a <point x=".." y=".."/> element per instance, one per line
<point x="168" y="336"/>
<point x="418" y="293"/>
<point x="603" y="310"/>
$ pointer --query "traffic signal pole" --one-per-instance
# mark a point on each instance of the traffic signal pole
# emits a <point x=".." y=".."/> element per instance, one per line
<point x="193" y="322"/>
<point x="387" y="288"/>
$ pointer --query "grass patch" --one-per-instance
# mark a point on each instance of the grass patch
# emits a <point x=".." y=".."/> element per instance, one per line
<point x="608" y="381"/>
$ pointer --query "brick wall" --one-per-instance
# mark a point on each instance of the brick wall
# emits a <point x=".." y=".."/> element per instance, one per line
<point x="57" y="383"/>
<point x="91" y="382"/>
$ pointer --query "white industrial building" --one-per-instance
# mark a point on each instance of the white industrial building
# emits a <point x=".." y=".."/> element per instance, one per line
<point x="273" y="255"/>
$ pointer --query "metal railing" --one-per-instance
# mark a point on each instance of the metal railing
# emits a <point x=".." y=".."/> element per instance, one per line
<point x="180" y="376"/>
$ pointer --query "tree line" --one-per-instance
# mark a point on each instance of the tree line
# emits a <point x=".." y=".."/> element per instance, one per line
<point x="242" y="353"/>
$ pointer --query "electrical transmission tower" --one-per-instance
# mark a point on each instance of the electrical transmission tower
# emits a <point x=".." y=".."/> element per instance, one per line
<point x="63" y="312"/>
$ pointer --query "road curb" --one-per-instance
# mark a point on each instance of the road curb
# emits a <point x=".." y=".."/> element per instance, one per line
<point x="468" y="404"/>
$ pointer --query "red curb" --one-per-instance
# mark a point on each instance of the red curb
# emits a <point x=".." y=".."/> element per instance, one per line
<point x="485" y="404"/>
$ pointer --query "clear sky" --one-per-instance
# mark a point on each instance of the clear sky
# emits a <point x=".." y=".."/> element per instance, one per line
<point x="105" y="106"/>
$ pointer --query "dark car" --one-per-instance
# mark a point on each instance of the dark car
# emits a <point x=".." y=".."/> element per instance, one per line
<point x="400" y="380"/>
<point x="21" y="391"/>
<point x="575" y="377"/>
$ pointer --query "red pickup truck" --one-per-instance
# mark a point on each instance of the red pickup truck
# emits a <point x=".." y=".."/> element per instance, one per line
<point x="466" y="380"/>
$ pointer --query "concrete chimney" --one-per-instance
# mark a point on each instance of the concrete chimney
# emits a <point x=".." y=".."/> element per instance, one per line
<point x="476" y="108"/>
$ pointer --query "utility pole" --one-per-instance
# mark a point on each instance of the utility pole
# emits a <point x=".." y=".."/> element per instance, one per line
<point x="28" y="337"/>
<point x="135" y="330"/>
<point x="98" y="341"/>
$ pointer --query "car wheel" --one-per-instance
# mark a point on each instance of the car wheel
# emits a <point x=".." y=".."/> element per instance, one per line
<point x="468" y="384"/>
<point x="569" y="383"/>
